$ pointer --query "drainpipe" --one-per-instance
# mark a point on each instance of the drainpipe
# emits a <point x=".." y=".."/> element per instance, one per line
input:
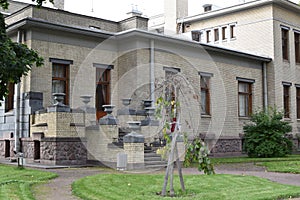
<point x="152" y="71"/>
<point x="265" y="82"/>
<point x="17" y="108"/>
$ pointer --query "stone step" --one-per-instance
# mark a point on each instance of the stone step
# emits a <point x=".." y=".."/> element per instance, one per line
<point x="159" y="162"/>
<point x="156" y="167"/>
<point x="151" y="154"/>
<point x="152" y="158"/>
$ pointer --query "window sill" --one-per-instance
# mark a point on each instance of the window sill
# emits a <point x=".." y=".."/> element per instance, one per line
<point x="205" y="116"/>
<point x="233" y="39"/>
<point x="244" y="118"/>
<point x="287" y="119"/>
<point x="9" y="113"/>
<point x="285" y="61"/>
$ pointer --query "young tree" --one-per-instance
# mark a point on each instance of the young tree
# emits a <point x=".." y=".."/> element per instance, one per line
<point x="16" y="59"/>
<point x="168" y="109"/>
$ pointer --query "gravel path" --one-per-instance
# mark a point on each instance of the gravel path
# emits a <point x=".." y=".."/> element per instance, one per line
<point x="60" y="188"/>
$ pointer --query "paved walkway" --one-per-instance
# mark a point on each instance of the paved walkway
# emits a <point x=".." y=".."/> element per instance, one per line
<point x="60" y="188"/>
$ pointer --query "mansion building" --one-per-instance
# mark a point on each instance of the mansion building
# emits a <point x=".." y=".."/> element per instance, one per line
<point x="222" y="65"/>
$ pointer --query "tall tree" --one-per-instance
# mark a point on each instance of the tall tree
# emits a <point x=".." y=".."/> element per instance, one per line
<point x="16" y="59"/>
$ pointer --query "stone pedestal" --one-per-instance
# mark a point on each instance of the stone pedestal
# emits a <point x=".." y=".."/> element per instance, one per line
<point x="134" y="148"/>
<point x="59" y="124"/>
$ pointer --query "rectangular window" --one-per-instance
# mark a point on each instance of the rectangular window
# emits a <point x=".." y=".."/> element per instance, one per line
<point x="232" y="31"/>
<point x="298" y="101"/>
<point x="60" y="80"/>
<point x="205" y="95"/>
<point x="208" y="36"/>
<point x="297" y="47"/>
<point x="285" y="43"/>
<point x="196" y="35"/>
<point x="9" y="99"/>
<point x="224" y="30"/>
<point x="245" y="98"/>
<point x="286" y="101"/>
<point x="102" y="90"/>
<point x="216" y="34"/>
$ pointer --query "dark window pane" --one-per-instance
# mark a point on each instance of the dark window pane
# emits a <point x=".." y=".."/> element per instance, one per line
<point x="245" y="99"/>
<point x="286" y="101"/>
<point x="297" y="47"/>
<point x="205" y="98"/>
<point x="285" y="39"/>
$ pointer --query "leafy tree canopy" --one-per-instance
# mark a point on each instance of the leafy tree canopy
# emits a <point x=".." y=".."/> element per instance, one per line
<point x="16" y="59"/>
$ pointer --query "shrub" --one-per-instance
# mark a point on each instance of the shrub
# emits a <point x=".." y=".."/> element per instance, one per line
<point x="265" y="136"/>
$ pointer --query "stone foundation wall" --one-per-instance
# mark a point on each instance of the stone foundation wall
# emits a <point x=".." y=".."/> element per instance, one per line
<point x="2" y="148"/>
<point x="63" y="151"/>
<point x="296" y="145"/>
<point x="28" y="148"/>
<point x="59" y="151"/>
<point x="232" y="145"/>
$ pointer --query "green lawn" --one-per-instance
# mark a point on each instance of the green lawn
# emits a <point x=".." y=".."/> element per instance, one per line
<point x="283" y="166"/>
<point x="214" y="187"/>
<point x="247" y="159"/>
<point x="16" y="183"/>
<point x="289" y="164"/>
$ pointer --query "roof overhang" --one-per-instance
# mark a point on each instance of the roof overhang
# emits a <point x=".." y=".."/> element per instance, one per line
<point x="135" y="33"/>
<point x="32" y="22"/>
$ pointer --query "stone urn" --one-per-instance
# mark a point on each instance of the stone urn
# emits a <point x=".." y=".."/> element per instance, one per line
<point x="147" y="103"/>
<point x="109" y="119"/>
<point x="134" y="125"/>
<point x="150" y="111"/>
<point x="86" y="99"/>
<point x="59" y="98"/>
<point x="108" y="109"/>
<point x="126" y="101"/>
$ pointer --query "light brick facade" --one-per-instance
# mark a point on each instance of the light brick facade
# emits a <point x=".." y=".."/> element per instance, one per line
<point x="257" y="30"/>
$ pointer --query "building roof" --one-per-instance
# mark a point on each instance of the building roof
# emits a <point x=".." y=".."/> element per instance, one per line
<point x="240" y="7"/>
<point x="28" y="22"/>
<point x="188" y="42"/>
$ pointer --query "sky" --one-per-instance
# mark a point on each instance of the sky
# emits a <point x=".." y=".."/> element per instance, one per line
<point x="116" y="9"/>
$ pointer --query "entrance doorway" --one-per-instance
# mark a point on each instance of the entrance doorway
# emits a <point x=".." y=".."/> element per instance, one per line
<point x="102" y="91"/>
<point x="37" y="150"/>
<point x="7" y="148"/>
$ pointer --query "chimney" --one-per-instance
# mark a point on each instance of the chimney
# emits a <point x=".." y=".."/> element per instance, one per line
<point x="174" y="9"/>
<point x="59" y="4"/>
<point x="134" y="11"/>
<point x="207" y="7"/>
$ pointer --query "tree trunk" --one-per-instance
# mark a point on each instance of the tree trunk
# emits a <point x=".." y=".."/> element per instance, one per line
<point x="170" y="167"/>
<point x="179" y="169"/>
